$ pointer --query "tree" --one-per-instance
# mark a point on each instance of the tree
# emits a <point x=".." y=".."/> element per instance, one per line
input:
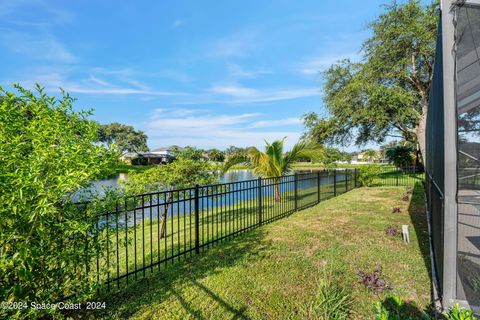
<point x="216" y="155"/>
<point x="400" y="156"/>
<point x="125" y="138"/>
<point x="386" y="93"/>
<point x="331" y="155"/>
<point x="179" y="174"/>
<point x="232" y="150"/>
<point x="371" y="155"/>
<point x="191" y="153"/>
<point x="48" y="152"/>
<point x="273" y="163"/>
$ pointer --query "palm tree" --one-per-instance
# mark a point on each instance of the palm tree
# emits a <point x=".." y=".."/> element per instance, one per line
<point x="371" y="155"/>
<point x="273" y="163"/>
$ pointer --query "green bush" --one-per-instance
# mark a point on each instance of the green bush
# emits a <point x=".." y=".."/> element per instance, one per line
<point x="368" y="173"/>
<point x="47" y="153"/>
<point x="458" y="313"/>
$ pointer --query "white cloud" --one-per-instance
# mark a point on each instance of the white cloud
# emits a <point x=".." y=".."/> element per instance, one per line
<point x="315" y="65"/>
<point x="178" y="23"/>
<point x="238" y="94"/>
<point x="39" y="46"/>
<point x="237" y="72"/>
<point x="275" y="123"/>
<point x="52" y="81"/>
<point x="206" y="129"/>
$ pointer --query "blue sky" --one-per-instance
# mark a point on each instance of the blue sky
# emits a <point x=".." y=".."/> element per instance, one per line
<point x="203" y="73"/>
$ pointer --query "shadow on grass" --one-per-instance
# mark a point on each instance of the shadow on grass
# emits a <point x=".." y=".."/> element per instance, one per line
<point x="160" y="285"/>
<point x="393" y="308"/>
<point x="416" y="211"/>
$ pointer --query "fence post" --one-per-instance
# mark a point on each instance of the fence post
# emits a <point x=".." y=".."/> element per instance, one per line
<point x="355" y="177"/>
<point x="346" y="180"/>
<point x="398" y="172"/>
<point x="197" y="221"/>
<point x="334" y="182"/>
<point x="318" y="187"/>
<point x="260" y="218"/>
<point x="296" y="191"/>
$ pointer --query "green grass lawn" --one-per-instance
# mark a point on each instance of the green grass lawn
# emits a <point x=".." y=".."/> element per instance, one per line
<point x="141" y="245"/>
<point x="275" y="272"/>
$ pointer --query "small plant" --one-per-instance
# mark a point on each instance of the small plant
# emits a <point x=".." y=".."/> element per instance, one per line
<point x="396" y="210"/>
<point x="391" y="231"/>
<point x="458" y="313"/>
<point x="331" y="302"/>
<point x="409" y="190"/>
<point x="373" y="281"/>
<point x="405" y="197"/>
<point x="394" y="308"/>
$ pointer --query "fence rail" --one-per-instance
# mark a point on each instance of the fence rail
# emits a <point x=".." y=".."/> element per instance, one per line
<point x="146" y="231"/>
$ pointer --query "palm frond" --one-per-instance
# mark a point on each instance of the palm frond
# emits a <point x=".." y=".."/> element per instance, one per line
<point x="234" y="160"/>
<point x="303" y="149"/>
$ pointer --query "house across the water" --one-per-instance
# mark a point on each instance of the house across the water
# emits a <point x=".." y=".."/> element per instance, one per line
<point x="155" y="156"/>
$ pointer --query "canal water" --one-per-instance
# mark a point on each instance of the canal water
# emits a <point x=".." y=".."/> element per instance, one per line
<point x="152" y="206"/>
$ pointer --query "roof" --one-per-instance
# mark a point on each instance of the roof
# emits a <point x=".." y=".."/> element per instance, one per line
<point x="167" y="148"/>
<point x="142" y="154"/>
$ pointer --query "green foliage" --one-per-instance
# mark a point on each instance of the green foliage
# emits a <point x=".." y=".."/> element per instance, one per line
<point x="387" y="92"/>
<point x="331" y="155"/>
<point x="395" y="308"/>
<point x="191" y="153"/>
<point x="216" y="155"/>
<point x="179" y="174"/>
<point x="47" y="153"/>
<point x="401" y="156"/>
<point x="232" y="150"/>
<point x="124" y="138"/>
<point x="368" y="173"/>
<point x="331" y="302"/>
<point x="273" y="162"/>
<point x="458" y="313"/>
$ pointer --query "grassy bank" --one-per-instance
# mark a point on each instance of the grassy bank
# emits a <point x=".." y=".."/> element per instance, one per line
<point x="275" y="272"/>
<point x="125" y="168"/>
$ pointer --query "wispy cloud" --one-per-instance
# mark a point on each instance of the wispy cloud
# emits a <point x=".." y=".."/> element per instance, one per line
<point x="207" y="129"/>
<point x="276" y="123"/>
<point x="237" y="72"/>
<point x="235" y="93"/>
<point x="43" y="47"/>
<point x="235" y="45"/>
<point x="178" y="23"/>
<point x="320" y="63"/>
<point x="93" y="84"/>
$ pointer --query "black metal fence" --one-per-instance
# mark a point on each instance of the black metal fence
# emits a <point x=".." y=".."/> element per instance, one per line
<point x="143" y="232"/>
<point x="392" y="176"/>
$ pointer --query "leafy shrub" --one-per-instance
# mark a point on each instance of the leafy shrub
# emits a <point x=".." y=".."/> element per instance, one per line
<point x="401" y="156"/>
<point x="373" y="281"/>
<point x="368" y="174"/>
<point x="331" y="302"/>
<point x="458" y="313"/>
<point x="391" y="231"/>
<point x="396" y="210"/>
<point x="47" y="153"/>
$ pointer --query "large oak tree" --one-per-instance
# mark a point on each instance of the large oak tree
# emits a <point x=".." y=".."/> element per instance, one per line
<point x="387" y="92"/>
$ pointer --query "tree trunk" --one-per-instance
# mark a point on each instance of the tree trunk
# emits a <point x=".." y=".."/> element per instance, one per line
<point x="421" y="127"/>
<point x="163" y="224"/>
<point x="278" y="196"/>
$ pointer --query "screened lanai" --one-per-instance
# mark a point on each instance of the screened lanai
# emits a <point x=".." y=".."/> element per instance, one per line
<point x="453" y="155"/>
